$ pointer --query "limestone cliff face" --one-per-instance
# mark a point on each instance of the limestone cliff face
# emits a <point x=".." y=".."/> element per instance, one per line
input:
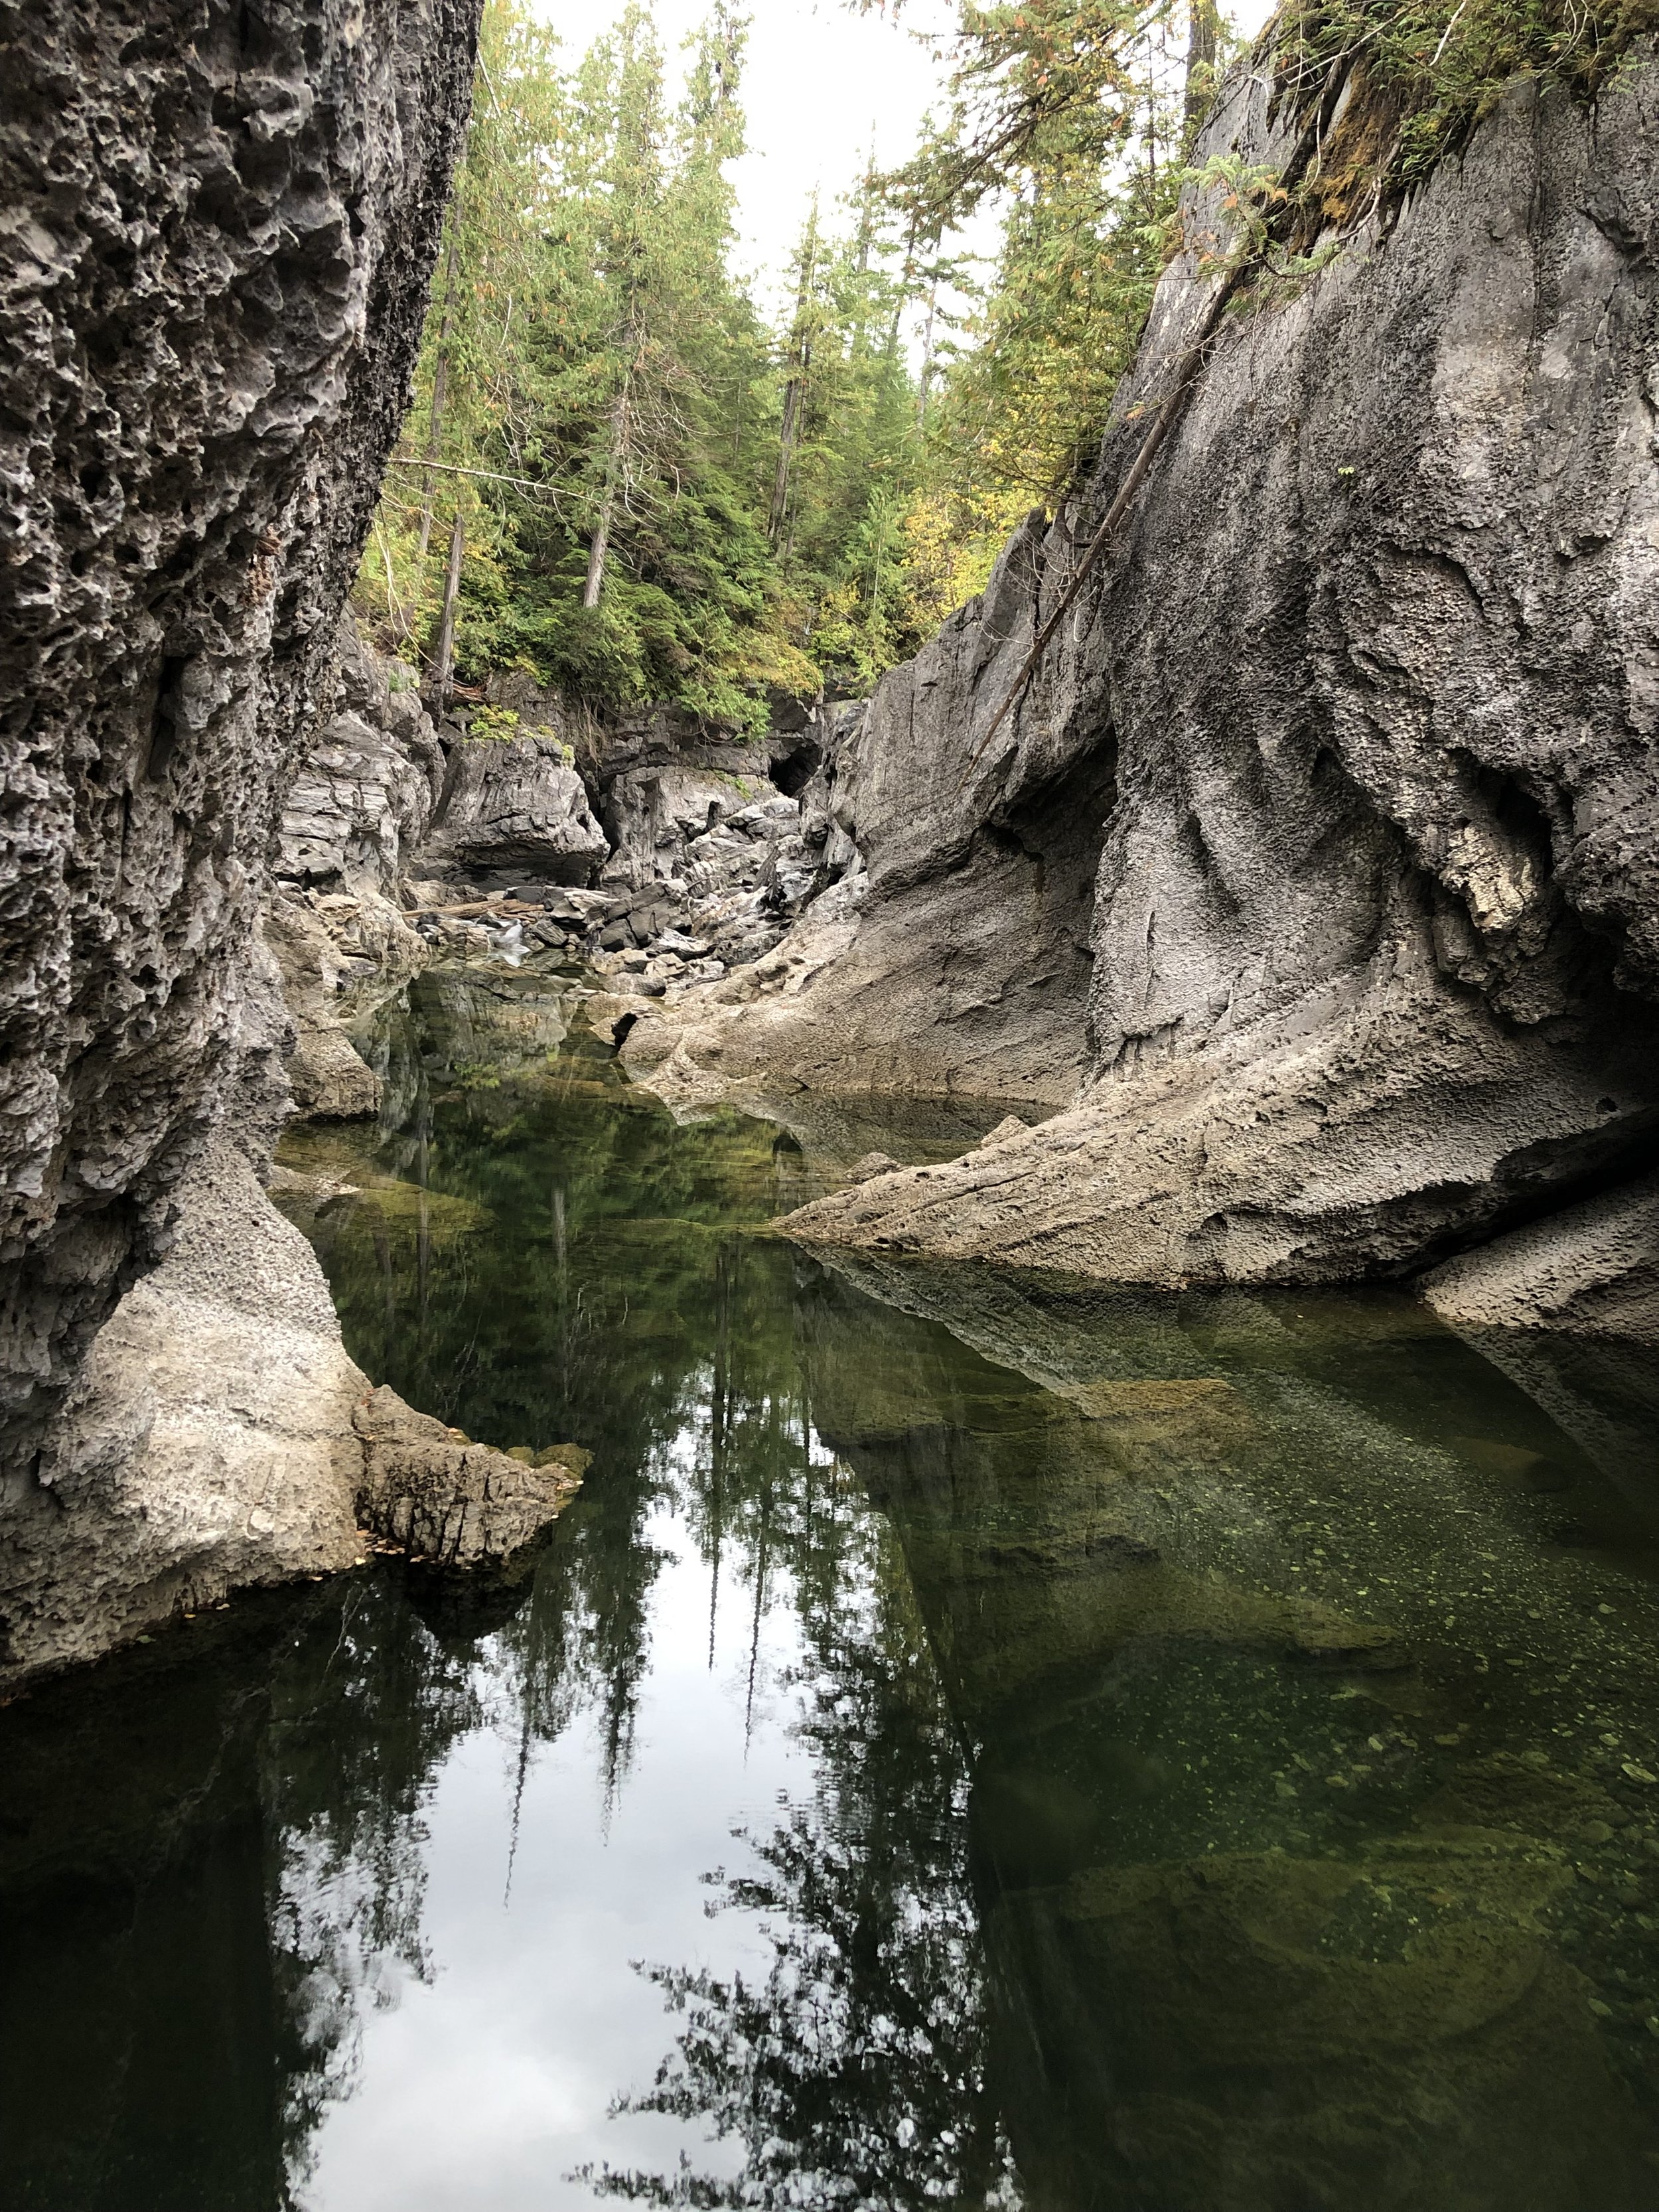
<point x="1362" y="714"/>
<point x="359" y="803"/>
<point x="219" y="225"/>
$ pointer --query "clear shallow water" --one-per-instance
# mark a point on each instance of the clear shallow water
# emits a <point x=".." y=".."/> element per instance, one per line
<point x="973" y="1740"/>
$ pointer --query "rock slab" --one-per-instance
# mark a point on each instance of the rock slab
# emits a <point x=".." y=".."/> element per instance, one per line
<point x="1362" y="714"/>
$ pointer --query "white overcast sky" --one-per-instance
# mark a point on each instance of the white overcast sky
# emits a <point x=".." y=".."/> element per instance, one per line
<point x="821" y="79"/>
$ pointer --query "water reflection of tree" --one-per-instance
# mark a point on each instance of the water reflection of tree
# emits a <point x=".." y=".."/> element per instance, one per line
<point x="364" y="1708"/>
<point x="852" y="2072"/>
<point x="610" y="1296"/>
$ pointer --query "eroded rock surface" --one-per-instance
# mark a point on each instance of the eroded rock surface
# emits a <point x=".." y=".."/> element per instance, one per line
<point x="222" y="220"/>
<point x="359" y="807"/>
<point x="1592" y="1270"/>
<point x="1315" y="874"/>
<point x="446" y="1498"/>
<point x="516" y="804"/>
<point x="218" y="1437"/>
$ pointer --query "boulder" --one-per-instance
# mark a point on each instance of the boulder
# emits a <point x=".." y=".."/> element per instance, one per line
<point x="364" y="795"/>
<point x="516" y="805"/>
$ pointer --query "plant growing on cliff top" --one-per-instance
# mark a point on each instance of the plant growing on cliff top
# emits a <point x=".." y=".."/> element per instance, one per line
<point x="1427" y="71"/>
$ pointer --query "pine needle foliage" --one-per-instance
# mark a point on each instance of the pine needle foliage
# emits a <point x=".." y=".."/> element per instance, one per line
<point x="620" y="475"/>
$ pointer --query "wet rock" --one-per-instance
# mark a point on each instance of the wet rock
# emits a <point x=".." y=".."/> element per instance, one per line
<point x="450" y="1500"/>
<point x="1385" y="2032"/>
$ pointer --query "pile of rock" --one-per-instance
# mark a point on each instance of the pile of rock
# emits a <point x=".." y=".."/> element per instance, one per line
<point x="707" y="869"/>
<point x="672" y="857"/>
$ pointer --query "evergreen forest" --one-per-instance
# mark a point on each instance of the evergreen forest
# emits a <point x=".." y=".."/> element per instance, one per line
<point x="622" y="476"/>
<point x="625" y="478"/>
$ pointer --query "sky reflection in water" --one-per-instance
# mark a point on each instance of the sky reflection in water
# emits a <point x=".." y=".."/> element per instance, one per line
<point x="973" y="1740"/>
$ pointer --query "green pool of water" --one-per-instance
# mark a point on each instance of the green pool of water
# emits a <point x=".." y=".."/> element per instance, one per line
<point x="975" y="1740"/>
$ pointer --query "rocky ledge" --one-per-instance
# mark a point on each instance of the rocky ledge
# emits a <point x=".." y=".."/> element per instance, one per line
<point x="218" y="1437"/>
<point x="1313" y="878"/>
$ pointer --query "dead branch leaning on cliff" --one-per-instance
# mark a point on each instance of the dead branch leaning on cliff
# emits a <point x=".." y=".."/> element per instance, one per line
<point x="1161" y="422"/>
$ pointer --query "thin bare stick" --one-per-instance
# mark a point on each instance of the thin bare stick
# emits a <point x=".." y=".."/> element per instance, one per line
<point x="484" y="476"/>
<point x="1446" y="33"/>
<point x="1189" y="365"/>
<point x="1160" y="425"/>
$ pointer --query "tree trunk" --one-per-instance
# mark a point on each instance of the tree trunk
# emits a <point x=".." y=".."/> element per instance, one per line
<point x="444" y="658"/>
<point x="800" y="347"/>
<point x="927" y="357"/>
<point x="786" y="448"/>
<point x="1202" y="27"/>
<point x="440" y="386"/>
<point x="599" y="544"/>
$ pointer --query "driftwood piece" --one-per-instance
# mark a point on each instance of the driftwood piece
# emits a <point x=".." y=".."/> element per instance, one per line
<point x="513" y="909"/>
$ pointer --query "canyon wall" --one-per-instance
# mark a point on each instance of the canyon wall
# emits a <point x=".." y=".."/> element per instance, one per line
<point x="220" y="225"/>
<point x="1313" y="875"/>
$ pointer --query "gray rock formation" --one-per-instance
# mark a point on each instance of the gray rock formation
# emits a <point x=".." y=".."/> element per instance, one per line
<point x="516" y="806"/>
<point x="713" y="857"/>
<point x="360" y="806"/>
<point x="448" y="1499"/>
<point x="1592" y="1270"/>
<point x="1359" y="717"/>
<point x="1547" y="1303"/>
<point x="218" y="1436"/>
<point x="326" y="1074"/>
<point x="953" y="953"/>
<point x="364" y="797"/>
<point x="217" y="257"/>
<point x="220" y="226"/>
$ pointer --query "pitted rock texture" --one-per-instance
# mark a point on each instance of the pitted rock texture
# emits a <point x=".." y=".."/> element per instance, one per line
<point x="1364" y="708"/>
<point x="1592" y="1270"/>
<point x="359" y="808"/>
<point x="364" y="796"/>
<point x="220" y="225"/>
